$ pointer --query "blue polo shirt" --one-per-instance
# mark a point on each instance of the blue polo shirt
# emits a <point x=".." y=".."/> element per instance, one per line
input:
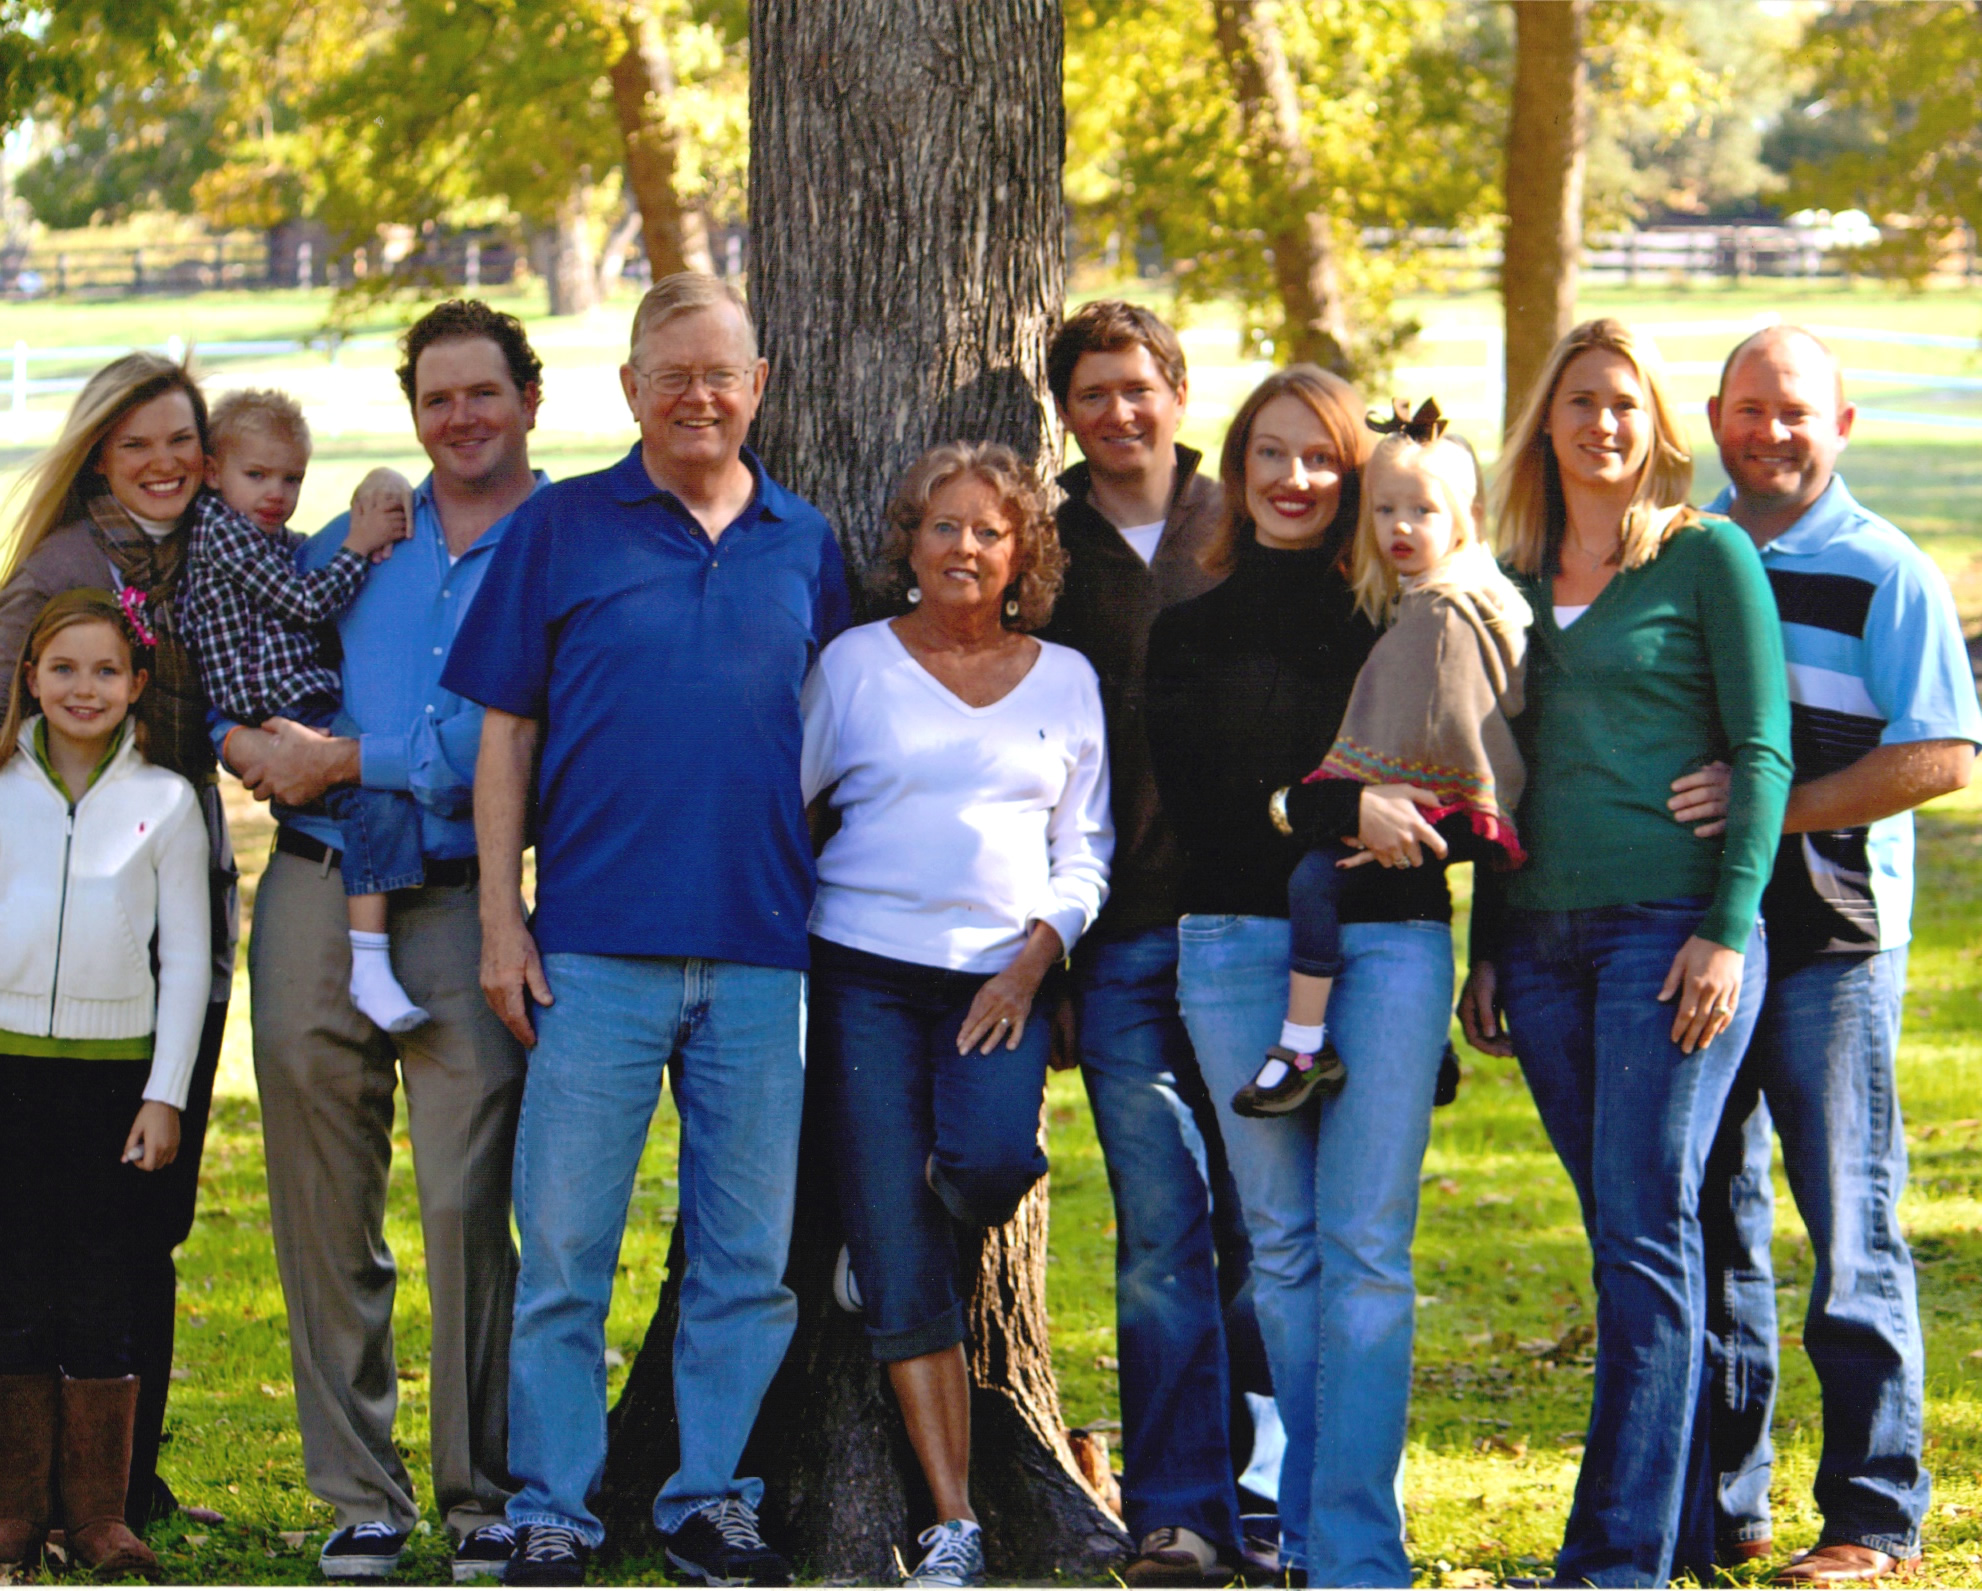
<point x="1876" y="658"/>
<point x="665" y="669"/>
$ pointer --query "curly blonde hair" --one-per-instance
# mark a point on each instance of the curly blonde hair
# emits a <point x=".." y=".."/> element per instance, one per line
<point x="1040" y="560"/>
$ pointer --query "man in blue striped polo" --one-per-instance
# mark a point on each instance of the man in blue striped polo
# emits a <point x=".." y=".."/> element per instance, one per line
<point x="1883" y="717"/>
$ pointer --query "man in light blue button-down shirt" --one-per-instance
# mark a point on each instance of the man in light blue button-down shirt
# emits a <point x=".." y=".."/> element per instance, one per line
<point x="325" y="1073"/>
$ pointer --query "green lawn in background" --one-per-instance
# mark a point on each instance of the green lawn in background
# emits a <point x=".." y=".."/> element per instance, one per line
<point x="1502" y="1380"/>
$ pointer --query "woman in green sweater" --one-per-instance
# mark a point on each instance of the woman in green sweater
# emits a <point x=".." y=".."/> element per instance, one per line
<point x="1626" y="955"/>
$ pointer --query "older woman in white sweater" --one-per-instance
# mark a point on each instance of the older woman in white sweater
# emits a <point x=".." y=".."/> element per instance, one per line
<point x="966" y="764"/>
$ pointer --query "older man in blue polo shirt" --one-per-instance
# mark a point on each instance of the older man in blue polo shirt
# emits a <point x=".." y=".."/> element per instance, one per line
<point x="642" y="639"/>
<point x="1883" y="717"/>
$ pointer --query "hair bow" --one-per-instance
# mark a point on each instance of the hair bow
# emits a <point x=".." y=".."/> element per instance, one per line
<point x="132" y="601"/>
<point x="1427" y="425"/>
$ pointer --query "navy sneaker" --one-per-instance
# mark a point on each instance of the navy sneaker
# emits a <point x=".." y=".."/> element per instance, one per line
<point x="719" y="1545"/>
<point x="955" y="1555"/>
<point x="368" y="1551"/>
<point x="546" y="1555"/>
<point x="483" y="1553"/>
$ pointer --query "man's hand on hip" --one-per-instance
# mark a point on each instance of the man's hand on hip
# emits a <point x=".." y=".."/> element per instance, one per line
<point x="511" y="968"/>
<point x="290" y="762"/>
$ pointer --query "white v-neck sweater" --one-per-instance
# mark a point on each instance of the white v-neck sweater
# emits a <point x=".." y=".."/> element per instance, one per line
<point x="960" y="826"/>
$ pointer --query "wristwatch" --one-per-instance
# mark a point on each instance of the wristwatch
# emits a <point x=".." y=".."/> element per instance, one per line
<point x="1276" y="809"/>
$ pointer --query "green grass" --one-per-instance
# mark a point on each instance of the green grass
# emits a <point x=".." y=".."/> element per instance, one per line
<point x="1502" y="1263"/>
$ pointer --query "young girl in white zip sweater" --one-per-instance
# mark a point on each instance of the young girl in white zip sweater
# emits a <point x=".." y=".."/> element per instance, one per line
<point x="103" y="868"/>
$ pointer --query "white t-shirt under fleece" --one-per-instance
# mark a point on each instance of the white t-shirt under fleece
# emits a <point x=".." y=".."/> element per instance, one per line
<point x="1143" y="538"/>
<point x="960" y="826"/>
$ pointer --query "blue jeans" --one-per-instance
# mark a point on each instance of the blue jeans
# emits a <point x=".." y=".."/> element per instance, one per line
<point x="732" y="1037"/>
<point x="884" y="1038"/>
<point x="1821" y="1068"/>
<point x="1632" y="1118"/>
<point x="1142" y="1083"/>
<point x="1331" y="1199"/>
<point x="378" y="831"/>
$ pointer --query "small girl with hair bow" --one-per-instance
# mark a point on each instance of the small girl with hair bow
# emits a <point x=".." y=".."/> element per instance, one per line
<point x="1430" y="710"/>
<point x="104" y="977"/>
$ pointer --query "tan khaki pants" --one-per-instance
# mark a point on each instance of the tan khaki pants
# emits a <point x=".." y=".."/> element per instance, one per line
<point x="326" y="1076"/>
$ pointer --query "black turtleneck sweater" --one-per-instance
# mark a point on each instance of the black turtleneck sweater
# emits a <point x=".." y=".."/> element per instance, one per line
<point x="1247" y="686"/>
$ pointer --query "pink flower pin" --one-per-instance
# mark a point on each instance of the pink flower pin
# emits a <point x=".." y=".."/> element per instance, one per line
<point x="132" y="601"/>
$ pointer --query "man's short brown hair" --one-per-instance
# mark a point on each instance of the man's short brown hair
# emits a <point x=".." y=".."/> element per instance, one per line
<point x="682" y="294"/>
<point x="1107" y="326"/>
<point x="258" y="411"/>
<point x="460" y="319"/>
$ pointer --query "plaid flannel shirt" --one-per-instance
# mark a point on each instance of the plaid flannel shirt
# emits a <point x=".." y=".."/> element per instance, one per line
<point x="253" y="617"/>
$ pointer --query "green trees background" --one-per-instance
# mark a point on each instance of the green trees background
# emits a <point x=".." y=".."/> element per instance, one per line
<point x="1252" y="146"/>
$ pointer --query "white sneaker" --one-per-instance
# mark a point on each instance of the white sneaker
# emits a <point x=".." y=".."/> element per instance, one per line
<point x="955" y="1555"/>
<point x="846" y="1286"/>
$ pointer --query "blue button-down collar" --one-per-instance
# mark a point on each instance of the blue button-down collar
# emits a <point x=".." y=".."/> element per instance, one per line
<point x="1811" y="533"/>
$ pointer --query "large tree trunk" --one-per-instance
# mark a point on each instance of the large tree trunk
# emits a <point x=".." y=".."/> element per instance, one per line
<point x="907" y="249"/>
<point x="907" y="236"/>
<point x="1546" y="136"/>
<point x="1301" y="231"/>
<point x="676" y="235"/>
<point x="566" y="257"/>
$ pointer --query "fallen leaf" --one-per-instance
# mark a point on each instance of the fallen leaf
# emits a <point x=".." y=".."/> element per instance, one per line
<point x="181" y="1373"/>
<point x="1469" y="1577"/>
<point x="1103" y="1361"/>
<point x="197" y="1539"/>
<point x="615" y="1360"/>
<point x="293" y="1538"/>
<point x="411" y="1373"/>
<point x="269" y="1391"/>
<point x="1446" y="1185"/>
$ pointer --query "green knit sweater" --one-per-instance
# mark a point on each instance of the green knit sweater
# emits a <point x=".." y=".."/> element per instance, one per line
<point x="1675" y="665"/>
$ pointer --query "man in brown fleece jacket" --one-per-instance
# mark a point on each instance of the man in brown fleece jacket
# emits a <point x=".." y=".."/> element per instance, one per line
<point x="1135" y="518"/>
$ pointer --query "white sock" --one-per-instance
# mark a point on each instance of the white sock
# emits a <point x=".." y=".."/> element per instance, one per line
<point x="374" y="989"/>
<point x="1302" y="1040"/>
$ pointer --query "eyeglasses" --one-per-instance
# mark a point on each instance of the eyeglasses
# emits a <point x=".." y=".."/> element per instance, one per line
<point x="672" y="381"/>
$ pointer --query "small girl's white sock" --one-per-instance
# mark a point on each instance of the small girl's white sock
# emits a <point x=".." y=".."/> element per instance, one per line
<point x="1300" y="1039"/>
<point x="374" y="989"/>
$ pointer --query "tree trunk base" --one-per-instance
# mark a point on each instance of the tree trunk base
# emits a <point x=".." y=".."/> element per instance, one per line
<point x="843" y="1492"/>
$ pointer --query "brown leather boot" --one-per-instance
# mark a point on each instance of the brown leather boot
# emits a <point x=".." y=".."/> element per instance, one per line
<point x="96" y="1471"/>
<point x="27" y="1457"/>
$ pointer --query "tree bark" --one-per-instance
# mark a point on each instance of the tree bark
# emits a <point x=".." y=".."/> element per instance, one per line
<point x="566" y="257"/>
<point x="676" y="234"/>
<point x="1547" y="131"/>
<point x="1301" y="231"/>
<point x="907" y="236"/>
<point x="908" y="269"/>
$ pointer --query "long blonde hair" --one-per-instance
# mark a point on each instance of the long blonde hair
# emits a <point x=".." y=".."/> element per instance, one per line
<point x="55" y="488"/>
<point x="1526" y="496"/>
<point x="1453" y="464"/>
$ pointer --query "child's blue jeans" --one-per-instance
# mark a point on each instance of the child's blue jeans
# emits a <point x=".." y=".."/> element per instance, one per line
<point x="378" y="830"/>
<point x="1314" y="894"/>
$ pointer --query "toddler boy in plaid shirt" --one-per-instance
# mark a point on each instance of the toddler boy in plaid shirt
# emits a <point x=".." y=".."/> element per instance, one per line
<point x="259" y="624"/>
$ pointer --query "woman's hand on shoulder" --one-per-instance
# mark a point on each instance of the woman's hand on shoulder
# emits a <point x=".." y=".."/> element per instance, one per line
<point x="153" y="1141"/>
<point x="1705" y="978"/>
<point x="1392" y="830"/>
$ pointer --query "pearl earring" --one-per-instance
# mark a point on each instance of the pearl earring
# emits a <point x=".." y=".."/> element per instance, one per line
<point x="1012" y="607"/>
<point x="914" y="595"/>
